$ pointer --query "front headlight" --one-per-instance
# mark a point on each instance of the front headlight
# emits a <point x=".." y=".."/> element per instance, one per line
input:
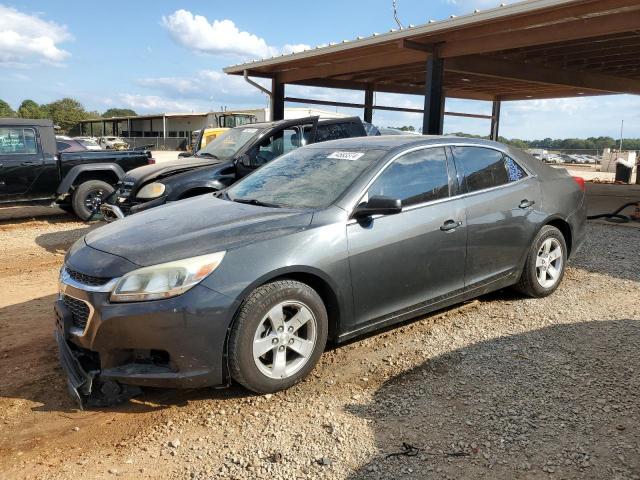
<point x="153" y="190"/>
<point x="166" y="279"/>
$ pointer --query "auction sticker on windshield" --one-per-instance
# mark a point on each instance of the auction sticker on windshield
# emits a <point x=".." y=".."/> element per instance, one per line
<point x="249" y="130"/>
<point x="346" y="155"/>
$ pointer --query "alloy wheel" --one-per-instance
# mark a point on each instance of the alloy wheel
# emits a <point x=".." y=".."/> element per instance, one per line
<point x="549" y="263"/>
<point x="285" y="339"/>
<point x="93" y="200"/>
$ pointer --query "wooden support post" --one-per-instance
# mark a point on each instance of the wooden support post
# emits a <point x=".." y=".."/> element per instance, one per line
<point x="277" y="100"/>
<point x="433" y="119"/>
<point x="495" y="119"/>
<point x="368" y="105"/>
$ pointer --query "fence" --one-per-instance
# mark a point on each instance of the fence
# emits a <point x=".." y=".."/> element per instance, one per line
<point x="158" y="143"/>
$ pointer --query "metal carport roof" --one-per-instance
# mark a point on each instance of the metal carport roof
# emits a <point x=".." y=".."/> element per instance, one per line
<point x="528" y="50"/>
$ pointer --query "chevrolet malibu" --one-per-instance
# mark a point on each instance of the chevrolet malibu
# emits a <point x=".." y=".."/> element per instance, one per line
<point x="326" y="243"/>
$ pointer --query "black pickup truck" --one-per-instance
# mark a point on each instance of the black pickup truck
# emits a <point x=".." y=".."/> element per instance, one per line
<point x="231" y="156"/>
<point x="33" y="172"/>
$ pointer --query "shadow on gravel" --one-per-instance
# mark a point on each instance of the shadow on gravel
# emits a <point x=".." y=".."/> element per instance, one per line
<point x="610" y="250"/>
<point x="23" y="214"/>
<point x="59" y="242"/>
<point x="563" y="400"/>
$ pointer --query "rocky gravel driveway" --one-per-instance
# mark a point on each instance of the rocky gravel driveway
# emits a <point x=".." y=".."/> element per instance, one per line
<point x="504" y="387"/>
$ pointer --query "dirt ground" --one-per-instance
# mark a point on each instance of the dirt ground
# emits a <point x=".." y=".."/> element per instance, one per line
<point x="503" y="387"/>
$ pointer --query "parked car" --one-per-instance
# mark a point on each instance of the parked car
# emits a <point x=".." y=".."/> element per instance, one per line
<point x="112" y="143"/>
<point x="89" y="142"/>
<point x="34" y="171"/>
<point x="327" y="242"/>
<point x="230" y="156"/>
<point x="70" y="145"/>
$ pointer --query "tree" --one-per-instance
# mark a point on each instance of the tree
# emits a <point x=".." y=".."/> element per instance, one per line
<point x="119" y="112"/>
<point x="30" y="109"/>
<point x="5" y="110"/>
<point x="65" y="113"/>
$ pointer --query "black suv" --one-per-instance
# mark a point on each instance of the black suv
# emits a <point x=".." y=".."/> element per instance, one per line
<point x="231" y="156"/>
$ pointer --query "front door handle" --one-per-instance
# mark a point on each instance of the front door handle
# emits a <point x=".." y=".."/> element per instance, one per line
<point x="450" y="225"/>
<point x="27" y="164"/>
<point x="526" y="203"/>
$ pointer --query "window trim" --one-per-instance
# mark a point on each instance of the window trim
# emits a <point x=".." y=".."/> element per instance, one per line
<point x="450" y="158"/>
<point x="462" y="186"/>
<point x="408" y="152"/>
<point x="35" y="136"/>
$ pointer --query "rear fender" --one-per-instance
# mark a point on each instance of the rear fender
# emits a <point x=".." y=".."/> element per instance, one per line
<point x="71" y="176"/>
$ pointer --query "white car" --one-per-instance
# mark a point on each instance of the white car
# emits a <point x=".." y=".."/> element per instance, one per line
<point x="113" y="143"/>
<point x="89" y="142"/>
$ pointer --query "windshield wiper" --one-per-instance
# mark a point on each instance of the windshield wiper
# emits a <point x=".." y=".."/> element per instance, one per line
<point x="253" y="201"/>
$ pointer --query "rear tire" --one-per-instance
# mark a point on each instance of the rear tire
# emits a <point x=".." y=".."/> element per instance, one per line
<point x="545" y="264"/>
<point x="278" y="336"/>
<point x="88" y="197"/>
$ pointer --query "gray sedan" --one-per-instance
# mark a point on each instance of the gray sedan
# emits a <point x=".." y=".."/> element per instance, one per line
<point x="325" y="243"/>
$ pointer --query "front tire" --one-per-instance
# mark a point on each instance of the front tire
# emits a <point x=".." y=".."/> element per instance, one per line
<point x="88" y="197"/>
<point x="278" y="336"/>
<point x="545" y="265"/>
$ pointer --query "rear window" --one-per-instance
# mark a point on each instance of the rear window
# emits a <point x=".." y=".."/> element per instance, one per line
<point x="18" y="141"/>
<point x="333" y="131"/>
<point x="483" y="168"/>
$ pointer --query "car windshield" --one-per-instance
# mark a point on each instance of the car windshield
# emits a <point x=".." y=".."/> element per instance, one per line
<point x="229" y="143"/>
<point x="304" y="178"/>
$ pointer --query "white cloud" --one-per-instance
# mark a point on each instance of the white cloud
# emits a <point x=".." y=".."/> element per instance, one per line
<point x="220" y="37"/>
<point x="201" y="85"/>
<point x="154" y="103"/>
<point x="25" y="37"/>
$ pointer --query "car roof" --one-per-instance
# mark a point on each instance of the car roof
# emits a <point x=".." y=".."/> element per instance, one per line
<point x="39" y="122"/>
<point x="275" y="123"/>
<point x="390" y="142"/>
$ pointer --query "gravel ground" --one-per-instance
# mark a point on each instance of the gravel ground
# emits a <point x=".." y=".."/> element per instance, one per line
<point x="503" y="387"/>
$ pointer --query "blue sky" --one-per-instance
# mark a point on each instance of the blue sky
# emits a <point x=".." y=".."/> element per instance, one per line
<point x="156" y="56"/>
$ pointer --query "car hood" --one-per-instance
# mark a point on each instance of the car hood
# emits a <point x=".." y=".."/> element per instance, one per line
<point x="193" y="227"/>
<point x="143" y="174"/>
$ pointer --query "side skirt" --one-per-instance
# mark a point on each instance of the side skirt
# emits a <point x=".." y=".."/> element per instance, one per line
<point x="432" y="305"/>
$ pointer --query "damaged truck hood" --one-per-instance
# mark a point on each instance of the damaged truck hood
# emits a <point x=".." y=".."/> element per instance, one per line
<point x="192" y="227"/>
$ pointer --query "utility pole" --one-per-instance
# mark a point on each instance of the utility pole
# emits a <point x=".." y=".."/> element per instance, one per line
<point x="621" y="130"/>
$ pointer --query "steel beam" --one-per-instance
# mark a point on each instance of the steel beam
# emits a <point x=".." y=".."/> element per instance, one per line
<point x="368" y="105"/>
<point x="495" y="120"/>
<point x="433" y="118"/>
<point x="277" y="100"/>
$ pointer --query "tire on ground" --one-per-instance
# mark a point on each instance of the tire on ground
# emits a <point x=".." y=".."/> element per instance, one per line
<point x="255" y="307"/>
<point x="528" y="283"/>
<point x="83" y="191"/>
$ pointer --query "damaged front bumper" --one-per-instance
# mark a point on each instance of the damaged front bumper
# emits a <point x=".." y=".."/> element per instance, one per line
<point x="87" y="388"/>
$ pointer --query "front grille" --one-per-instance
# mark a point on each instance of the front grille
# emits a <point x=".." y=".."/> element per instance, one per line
<point x="87" y="279"/>
<point x="79" y="311"/>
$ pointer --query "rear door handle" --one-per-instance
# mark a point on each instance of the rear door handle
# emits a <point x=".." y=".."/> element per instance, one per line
<point x="450" y="225"/>
<point x="526" y="203"/>
<point x="26" y="164"/>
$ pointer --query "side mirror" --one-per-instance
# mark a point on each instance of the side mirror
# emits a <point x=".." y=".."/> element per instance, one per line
<point x="378" y="206"/>
<point x="245" y="160"/>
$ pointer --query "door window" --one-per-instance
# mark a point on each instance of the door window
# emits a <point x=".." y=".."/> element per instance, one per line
<point x="283" y="141"/>
<point x="416" y="177"/>
<point x="18" y="141"/>
<point x="483" y="168"/>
